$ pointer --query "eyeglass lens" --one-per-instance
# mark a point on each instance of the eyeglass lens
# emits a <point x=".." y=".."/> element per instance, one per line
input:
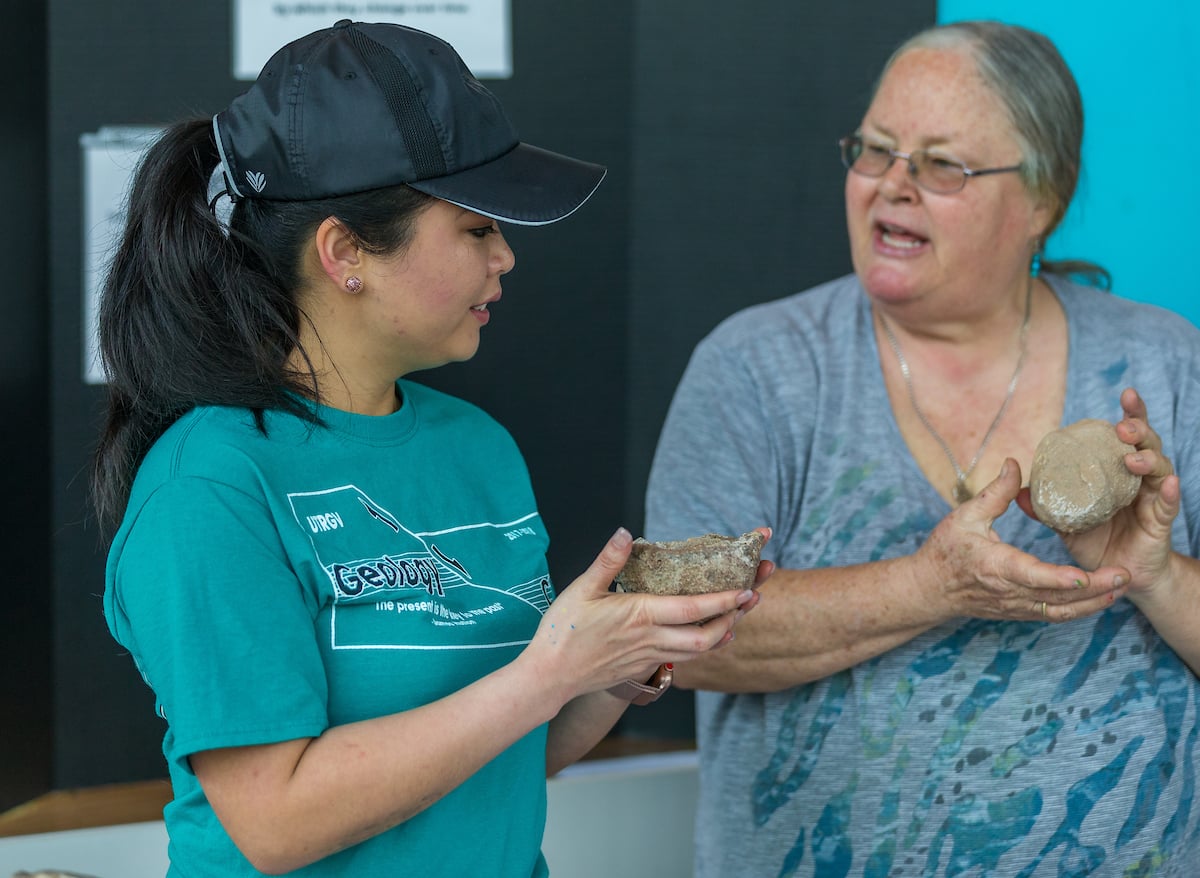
<point x="934" y="172"/>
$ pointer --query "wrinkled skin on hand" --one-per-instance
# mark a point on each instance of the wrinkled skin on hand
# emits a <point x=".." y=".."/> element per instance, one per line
<point x="981" y="576"/>
<point x="1138" y="537"/>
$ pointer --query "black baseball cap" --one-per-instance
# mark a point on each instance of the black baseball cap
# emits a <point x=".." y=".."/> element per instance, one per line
<point x="363" y="106"/>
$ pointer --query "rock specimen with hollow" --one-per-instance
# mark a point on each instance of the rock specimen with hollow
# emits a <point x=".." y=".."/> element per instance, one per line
<point x="694" y="566"/>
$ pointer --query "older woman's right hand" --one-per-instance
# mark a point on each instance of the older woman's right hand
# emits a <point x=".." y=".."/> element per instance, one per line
<point x="1139" y="535"/>
<point x="979" y="575"/>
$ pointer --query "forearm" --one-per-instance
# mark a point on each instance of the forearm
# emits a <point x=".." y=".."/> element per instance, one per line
<point x="813" y="623"/>
<point x="292" y="804"/>
<point x="580" y="725"/>
<point x="1173" y="608"/>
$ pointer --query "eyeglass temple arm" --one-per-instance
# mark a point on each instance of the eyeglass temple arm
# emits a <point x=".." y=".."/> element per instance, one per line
<point x="968" y="172"/>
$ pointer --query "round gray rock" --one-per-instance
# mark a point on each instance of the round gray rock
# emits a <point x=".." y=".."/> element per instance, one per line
<point x="1079" y="479"/>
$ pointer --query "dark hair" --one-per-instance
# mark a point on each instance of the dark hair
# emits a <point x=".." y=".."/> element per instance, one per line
<point x="1029" y="75"/>
<point x="194" y="314"/>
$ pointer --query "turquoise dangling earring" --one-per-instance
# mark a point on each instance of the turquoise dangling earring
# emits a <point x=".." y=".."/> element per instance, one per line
<point x="1035" y="264"/>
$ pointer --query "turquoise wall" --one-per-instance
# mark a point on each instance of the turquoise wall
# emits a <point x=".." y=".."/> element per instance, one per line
<point x="1135" y="210"/>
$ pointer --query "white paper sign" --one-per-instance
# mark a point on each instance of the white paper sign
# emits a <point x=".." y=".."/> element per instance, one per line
<point x="479" y="29"/>
<point x="110" y="157"/>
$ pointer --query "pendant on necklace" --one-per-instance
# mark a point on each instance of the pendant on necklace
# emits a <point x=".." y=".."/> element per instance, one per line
<point x="961" y="492"/>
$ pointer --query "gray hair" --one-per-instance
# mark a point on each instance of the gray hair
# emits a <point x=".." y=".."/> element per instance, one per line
<point x="1028" y="74"/>
<point x="1033" y="82"/>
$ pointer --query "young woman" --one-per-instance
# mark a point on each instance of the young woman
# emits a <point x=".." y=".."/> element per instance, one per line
<point x="335" y="580"/>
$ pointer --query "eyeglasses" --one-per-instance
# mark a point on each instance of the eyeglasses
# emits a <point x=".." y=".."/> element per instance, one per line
<point x="930" y="171"/>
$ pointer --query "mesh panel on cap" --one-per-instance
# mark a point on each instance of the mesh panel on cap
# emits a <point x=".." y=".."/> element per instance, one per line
<point x="420" y="139"/>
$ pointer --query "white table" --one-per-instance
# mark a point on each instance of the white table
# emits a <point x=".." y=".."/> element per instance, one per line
<point x="626" y="816"/>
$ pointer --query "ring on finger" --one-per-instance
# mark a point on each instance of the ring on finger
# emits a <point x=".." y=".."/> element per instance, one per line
<point x="1044" y="616"/>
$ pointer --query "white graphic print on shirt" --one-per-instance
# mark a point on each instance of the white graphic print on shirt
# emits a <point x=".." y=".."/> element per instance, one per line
<point x="469" y="586"/>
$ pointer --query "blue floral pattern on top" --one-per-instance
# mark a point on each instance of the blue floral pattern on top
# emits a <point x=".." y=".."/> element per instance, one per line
<point x="979" y="748"/>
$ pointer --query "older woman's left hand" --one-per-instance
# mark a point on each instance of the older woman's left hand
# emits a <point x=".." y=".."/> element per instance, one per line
<point x="1138" y="537"/>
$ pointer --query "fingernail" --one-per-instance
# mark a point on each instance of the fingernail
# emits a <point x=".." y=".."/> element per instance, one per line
<point x="1118" y="581"/>
<point x="1004" y="469"/>
<point x="622" y="537"/>
<point x="745" y="597"/>
<point x="1079" y="583"/>
<point x="670" y="666"/>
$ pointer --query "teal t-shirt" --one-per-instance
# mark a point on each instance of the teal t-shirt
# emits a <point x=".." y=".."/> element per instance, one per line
<point x="272" y="586"/>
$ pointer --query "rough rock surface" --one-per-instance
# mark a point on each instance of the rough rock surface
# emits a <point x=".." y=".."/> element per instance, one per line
<point x="1079" y="479"/>
<point x="701" y="564"/>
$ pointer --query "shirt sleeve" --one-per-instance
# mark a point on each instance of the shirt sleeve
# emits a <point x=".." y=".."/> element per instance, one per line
<point x="715" y="468"/>
<point x="1186" y="450"/>
<point x="217" y="622"/>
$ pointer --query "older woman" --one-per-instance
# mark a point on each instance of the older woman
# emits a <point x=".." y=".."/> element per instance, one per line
<point x="937" y="683"/>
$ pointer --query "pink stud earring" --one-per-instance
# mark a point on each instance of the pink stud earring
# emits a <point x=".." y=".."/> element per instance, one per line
<point x="354" y="284"/>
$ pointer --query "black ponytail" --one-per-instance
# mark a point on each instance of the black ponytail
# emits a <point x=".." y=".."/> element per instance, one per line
<point x="194" y="313"/>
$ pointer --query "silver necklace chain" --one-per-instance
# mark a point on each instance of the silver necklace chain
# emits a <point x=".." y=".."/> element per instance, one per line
<point x="961" y="492"/>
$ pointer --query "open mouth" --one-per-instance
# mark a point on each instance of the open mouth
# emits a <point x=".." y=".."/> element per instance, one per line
<point x="899" y="238"/>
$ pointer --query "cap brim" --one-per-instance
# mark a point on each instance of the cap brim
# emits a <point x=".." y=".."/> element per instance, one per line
<point x="528" y="185"/>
